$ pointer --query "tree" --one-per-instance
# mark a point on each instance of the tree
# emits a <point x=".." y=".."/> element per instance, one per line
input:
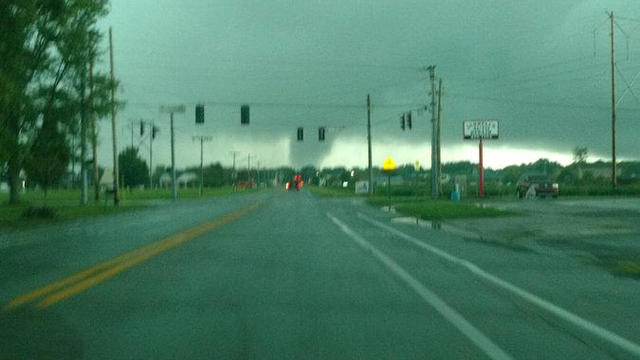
<point x="511" y="174"/>
<point x="43" y="44"/>
<point x="133" y="169"/>
<point x="579" y="155"/>
<point x="47" y="162"/>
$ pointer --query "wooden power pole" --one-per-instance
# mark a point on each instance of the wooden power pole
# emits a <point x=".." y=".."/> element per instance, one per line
<point x="369" y="144"/>
<point x="614" y="181"/>
<point x="114" y="127"/>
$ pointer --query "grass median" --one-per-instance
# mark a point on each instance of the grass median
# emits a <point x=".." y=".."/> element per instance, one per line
<point x="332" y="191"/>
<point x="428" y="209"/>
<point x="421" y="207"/>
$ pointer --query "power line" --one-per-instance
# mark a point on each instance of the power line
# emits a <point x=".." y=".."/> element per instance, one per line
<point x="535" y="103"/>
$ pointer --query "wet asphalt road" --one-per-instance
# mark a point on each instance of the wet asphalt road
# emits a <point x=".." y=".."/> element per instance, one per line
<point x="290" y="275"/>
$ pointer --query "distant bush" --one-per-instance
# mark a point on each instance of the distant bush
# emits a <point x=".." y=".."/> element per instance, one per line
<point x="39" y="212"/>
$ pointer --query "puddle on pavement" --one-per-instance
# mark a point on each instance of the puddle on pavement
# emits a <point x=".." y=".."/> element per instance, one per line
<point x="389" y="209"/>
<point x="410" y="220"/>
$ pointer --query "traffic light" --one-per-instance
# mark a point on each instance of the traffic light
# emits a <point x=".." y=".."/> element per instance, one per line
<point x="154" y="130"/>
<point x="409" y="119"/>
<point x="300" y="134"/>
<point x="402" y="122"/>
<point x="244" y="115"/>
<point x="199" y="114"/>
<point x="321" y="133"/>
<point x="141" y="128"/>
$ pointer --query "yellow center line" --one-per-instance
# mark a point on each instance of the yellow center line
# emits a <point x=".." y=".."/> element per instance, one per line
<point x="101" y="272"/>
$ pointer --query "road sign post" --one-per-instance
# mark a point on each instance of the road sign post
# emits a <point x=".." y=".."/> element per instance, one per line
<point x="480" y="130"/>
<point x="387" y="167"/>
<point x="480" y="172"/>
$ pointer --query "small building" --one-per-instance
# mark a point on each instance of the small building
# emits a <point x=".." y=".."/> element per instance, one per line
<point x="187" y="180"/>
<point x="165" y="180"/>
<point x="106" y="180"/>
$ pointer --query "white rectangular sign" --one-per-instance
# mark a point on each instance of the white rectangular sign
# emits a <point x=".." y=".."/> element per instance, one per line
<point x="480" y="129"/>
<point x="176" y="109"/>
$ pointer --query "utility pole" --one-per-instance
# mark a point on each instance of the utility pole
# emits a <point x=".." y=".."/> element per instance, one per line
<point x="258" y="174"/>
<point x="248" y="168"/>
<point x="151" y="136"/>
<point x="439" y="165"/>
<point x="434" y="131"/>
<point x="116" y="185"/>
<point x="234" y="176"/>
<point x="171" y="110"/>
<point x="84" y="198"/>
<point x="94" y="137"/>
<point x="614" y="181"/>
<point x="369" y="143"/>
<point x="202" y="140"/>
<point x="174" y="181"/>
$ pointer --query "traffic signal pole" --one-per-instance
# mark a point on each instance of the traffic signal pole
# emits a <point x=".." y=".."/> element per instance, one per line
<point x="369" y="143"/>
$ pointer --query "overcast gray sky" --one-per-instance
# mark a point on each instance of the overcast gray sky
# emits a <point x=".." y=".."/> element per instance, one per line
<point x="539" y="67"/>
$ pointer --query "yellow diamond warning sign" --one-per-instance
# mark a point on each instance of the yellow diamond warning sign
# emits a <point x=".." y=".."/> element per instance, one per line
<point x="388" y="164"/>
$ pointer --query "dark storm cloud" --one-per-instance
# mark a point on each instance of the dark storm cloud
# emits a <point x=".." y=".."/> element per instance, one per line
<point x="530" y="64"/>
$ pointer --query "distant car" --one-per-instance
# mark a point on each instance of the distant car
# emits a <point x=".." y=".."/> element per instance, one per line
<point x="538" y="185"/>
<point x="294" y="184"/>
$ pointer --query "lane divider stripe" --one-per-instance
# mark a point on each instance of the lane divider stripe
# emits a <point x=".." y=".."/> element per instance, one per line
<point x="556" y="310"/>
<point x="485" y="344"/>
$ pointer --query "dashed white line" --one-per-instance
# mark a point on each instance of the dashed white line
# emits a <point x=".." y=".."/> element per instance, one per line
<point x="568" y="316"/>
<point x="492" y="350"/>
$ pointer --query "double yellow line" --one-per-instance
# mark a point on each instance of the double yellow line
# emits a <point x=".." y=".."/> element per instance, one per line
<point x="83" y="280"/>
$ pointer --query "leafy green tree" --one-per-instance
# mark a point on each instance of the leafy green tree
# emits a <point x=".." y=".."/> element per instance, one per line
<point x="133" y="169"/>
<point x="459" y="168"/>
<point x="580" y="155"/>
<point x="44" y="45"/>
<point x="308" y="172"/>
<point x="511" y="174"/>
<point x="48" y="160"/>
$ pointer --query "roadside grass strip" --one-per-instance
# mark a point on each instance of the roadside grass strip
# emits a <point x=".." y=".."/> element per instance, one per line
<point x="85" y="279"/>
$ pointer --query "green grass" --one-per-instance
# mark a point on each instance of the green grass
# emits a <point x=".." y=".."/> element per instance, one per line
<point x="12" y="216"/>
<point x="628" y="268"/>
<point x="332" y="191"/>
<point x="420" y="206"/>
<point x="65" y="204"/>
<point x="428" y="209"/>
<point x="191" y="193"/>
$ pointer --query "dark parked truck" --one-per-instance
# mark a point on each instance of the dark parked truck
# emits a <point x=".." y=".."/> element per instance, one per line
<point x="534" y="185"/>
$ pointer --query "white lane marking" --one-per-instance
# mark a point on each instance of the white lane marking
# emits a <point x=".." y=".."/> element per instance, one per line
<point x="465" y="327"/>
<point x="552" y="308"/>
